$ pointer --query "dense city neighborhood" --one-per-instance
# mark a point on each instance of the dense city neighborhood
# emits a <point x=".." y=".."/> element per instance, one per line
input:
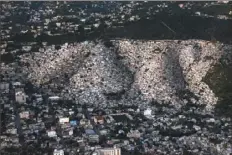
<point x="52" y="125"/>
<point x="115" y="78"/>
<point x="62" y="126"/>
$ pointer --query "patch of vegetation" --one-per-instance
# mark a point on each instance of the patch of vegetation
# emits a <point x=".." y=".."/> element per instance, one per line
<point x="7" y="58"/>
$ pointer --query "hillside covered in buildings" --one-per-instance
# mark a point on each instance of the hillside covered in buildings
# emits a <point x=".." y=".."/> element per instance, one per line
<point x="99" y="78"/>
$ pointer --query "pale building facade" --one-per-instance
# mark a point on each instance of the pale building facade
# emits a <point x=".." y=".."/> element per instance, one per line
<point x="109" y="151"/>
<point x="20" y="97"/>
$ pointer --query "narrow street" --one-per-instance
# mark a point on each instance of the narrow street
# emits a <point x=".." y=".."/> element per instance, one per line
<point x="17" y="118"/>
<point x="16" y="112"/>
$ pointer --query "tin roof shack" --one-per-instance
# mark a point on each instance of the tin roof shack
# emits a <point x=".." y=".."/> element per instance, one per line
<point x="73" y="123"/>
<point x="37" y="126"/>
<point x="14" y="139"/>
<point x="17" y="85"/>
<point x="90" y="110"/>
<point x="84" y="122"/>
<point x="89" y="132"/>
<point x="109" y="119"/>
<point x="103" y="132"/>
<point x="7" y="105"/>
<point x="37" y="97"/>
<point x="67" y="132"/>
<point x="98" y="119"/>
<point x="65" y="128"/>
<point x="79" y="110"/>
<point x="4" y="87"/>
<point x="92" y="136"/>
<point x="7" y="119"/>
<point x="134" y="134"/>
<point x="12" y="131"/>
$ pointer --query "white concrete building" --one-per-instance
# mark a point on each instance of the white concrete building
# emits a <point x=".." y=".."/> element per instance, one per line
<point x="58" y="152"/>
<point x="4" y="86"/>
<point x="20" y="97"/>
<point x="134" y="134"/>
<point x="54" y="98"/>
<point x="51" y="133"/>
<point x="108" y="151"/>
<point x="12" y="131"/>
<point x="24" y="114"/>
<point x="63" y="120"/>
<point x="147" y="112"/>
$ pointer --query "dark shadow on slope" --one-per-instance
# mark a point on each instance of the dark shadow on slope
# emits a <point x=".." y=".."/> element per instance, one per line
<point x="7" y="58"/>
<point x="173" y="70"/>
<point x="124" y="68"/>
<point x="219" y="80"/>
<point x="114" y="95"/>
